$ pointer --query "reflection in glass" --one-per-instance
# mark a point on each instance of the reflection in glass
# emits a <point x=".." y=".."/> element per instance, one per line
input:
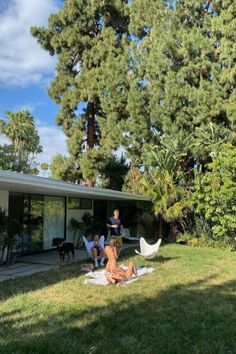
<point x="53" y="219"/>
<point x="36" y="222"/>
<point x="42" y="217"/>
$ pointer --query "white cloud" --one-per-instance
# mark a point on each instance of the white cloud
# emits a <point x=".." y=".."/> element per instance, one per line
<point x="22" y="60"/>
<point x="3" y="140"/>
<point x="31" y="106"/>
<point x="53" y="141"/>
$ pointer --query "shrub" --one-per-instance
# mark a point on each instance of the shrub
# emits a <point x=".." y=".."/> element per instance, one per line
<point x="187" y="239"/>
<point x="215" y="196"/>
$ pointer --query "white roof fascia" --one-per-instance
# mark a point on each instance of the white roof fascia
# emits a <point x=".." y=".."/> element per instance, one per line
<point x="18" y="179"/>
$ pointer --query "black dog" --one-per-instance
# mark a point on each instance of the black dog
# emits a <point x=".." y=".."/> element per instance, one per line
<point x="63" y="248"/>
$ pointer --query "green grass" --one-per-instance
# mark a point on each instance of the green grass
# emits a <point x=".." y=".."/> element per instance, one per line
<point x="186" y="306"/>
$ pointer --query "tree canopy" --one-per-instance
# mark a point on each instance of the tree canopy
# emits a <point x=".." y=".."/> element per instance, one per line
<point x="24" y="142"/>
<point x="153" y="78"/>
<point x="89" y="39"/>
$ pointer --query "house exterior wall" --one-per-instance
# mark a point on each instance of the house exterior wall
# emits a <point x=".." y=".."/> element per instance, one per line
<point x="4" y="199"/>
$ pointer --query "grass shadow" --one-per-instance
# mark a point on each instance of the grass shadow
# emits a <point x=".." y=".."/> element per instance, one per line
<point x="185" y="318"/>
<point x="27" y="283"/>
<point x="163" y="259"/>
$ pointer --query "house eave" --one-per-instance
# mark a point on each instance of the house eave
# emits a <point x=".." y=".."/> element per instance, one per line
<point x="17" y="182"/>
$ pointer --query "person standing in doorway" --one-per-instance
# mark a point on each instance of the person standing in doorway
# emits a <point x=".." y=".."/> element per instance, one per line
<point x="116" y="229"/>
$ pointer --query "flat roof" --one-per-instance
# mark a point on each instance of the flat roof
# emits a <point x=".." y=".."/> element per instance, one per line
<point x="19" y="182"/>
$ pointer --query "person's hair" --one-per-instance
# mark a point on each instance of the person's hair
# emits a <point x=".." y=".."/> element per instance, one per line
<point x="113" y="241"/>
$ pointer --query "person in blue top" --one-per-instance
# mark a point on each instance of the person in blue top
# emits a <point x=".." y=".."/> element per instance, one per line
<point x="116" y="229"/>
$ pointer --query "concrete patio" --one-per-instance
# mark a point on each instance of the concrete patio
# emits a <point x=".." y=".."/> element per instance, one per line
<point x="36" y="263"/>
<point x="41" y="262"/>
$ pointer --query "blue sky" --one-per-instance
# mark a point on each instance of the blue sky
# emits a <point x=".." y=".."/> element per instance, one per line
<point x="26" y="70"/>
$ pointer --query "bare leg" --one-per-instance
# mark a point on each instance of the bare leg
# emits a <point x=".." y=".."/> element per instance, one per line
<point x="110" y="279"/>
<point x="131" y="270"/>
<point x="95" y="256"/>
<point x="108" y="266"/>
<point x="94" y="252"/>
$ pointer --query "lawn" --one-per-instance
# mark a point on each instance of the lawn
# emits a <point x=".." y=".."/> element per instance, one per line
<point x="187" y="305"/>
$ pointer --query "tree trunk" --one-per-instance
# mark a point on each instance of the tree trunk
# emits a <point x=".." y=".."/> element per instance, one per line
<point x="91" y="124"/>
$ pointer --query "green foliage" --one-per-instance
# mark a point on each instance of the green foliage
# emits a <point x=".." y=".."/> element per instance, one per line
<point x="19" y="155"/>
<point x="155" y="78"/>
<point x="209" y="140"/>
<point x="166" y="179"/>
<point x="172" y="153"/>
<point x="104" y="171"/>
<point x="224" y="33"/>
<point x="133" y="181"/>
<point x="91" y="163"/>
<point x="113" y="173"/>
<point x="63" y="167"/>
<point x="44" y="166"/>
<point x="166" y="195"/>
<point x="9" y="230"/>
<point x="188" y="239"/>
<point x="215" y="194"/>
<point x="89" y="40"/>
<point x="181" y="61"/>
<point x="6" y="157"/>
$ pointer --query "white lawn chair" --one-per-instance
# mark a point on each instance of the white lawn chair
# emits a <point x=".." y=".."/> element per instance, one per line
<point x="89" y="244"/>
<point x="148" y="251"/>
<point x="128" y="237"/>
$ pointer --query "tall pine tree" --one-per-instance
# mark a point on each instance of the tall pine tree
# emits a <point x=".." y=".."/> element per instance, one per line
<point x="90" y="41"/>
<point x="180" y="70"/>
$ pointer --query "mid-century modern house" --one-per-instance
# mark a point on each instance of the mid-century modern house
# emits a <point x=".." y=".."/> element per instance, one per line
<point x="45" y="207"/>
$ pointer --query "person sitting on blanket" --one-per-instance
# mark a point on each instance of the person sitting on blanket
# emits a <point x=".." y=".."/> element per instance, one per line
<point x="114" y="273"/>
<point x="97" y="252"/>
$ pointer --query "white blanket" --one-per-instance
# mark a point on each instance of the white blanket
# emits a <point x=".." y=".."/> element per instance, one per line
<point x="99" y="277"/>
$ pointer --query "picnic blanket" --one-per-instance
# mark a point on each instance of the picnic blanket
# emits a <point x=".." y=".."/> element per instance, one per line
<point x="99" y="278"/>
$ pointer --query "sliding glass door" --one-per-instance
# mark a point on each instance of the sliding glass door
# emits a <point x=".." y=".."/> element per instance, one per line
<point x="36" y="222"/>
<point x="53" y="219"/>
<point x="42" y="217"/>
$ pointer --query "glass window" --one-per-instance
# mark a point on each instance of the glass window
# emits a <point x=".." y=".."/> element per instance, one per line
<point x="42" y="217"/>
<point x="36" y="222"/>
<point x="79" y="203"/>
<point x="85" y="204"/>
<point x="73" y="203"/>
<point x="53" y="219"/>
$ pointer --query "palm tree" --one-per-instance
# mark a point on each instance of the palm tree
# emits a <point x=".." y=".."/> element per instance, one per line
<point x="165" y="181"/>
<point x="19" y="128"/>
<point x="169" y="199"/>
